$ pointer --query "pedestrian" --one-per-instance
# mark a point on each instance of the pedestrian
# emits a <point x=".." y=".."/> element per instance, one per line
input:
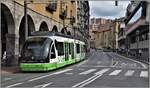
<point x="140" y="52"/>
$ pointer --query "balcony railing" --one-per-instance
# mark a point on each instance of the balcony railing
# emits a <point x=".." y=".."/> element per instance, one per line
<point x="63" y="14"/>
<point x="51" y="7"/>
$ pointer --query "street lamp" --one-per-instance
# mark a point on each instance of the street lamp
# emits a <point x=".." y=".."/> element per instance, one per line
<point x="137" y="39"/>
<point x="26" y="19"/>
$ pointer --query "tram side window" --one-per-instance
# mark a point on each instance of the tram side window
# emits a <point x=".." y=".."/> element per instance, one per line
<point x="60" y="48"/>
<point x="53" y="52"/>
<point x="69" y="48"/>
<point x="78" y="48"/>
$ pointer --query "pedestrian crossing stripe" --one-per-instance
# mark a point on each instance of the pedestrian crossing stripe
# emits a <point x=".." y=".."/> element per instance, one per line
<point x="116" y="72"/>
<point x="144" y="74"/>
<point x="129" y="73"/>
<point x="102" y="71"/>
<point x="113" y="73"/>
<point x="88" y="71"/>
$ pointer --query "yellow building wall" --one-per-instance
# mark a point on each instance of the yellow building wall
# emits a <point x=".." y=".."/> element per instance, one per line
<point x="39" y="7"/>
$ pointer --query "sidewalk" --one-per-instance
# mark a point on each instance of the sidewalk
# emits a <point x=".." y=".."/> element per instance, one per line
<point x="9" y="70"/>
<point x="140" y="58"/>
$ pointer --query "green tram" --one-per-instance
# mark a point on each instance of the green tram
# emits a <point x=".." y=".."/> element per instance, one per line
<point x="44" y="51"/>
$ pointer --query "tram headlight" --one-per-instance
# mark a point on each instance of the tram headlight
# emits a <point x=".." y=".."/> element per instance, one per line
<point x="32" y="57"/>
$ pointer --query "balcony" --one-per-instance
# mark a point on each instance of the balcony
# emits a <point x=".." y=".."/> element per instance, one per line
<point x="63" y="14"/>
<point x="51" y="7"/>
<point x="72" y="20"/>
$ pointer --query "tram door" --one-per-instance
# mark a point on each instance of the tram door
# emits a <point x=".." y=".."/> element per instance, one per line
<point x="72" y="50"/>
<point x="52" y="54"/>
<point x="66" y="51"/>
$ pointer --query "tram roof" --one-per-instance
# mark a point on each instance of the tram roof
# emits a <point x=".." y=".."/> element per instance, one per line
<point x="48" y="33"/>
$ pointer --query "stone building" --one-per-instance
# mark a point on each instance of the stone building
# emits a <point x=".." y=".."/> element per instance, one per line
<point x="101" y="38"/>
<point x="103" y="33"/>
<point x="43" y="15"/>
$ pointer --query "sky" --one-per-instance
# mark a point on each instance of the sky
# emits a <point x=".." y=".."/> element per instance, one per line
<point x="107" y="9"/>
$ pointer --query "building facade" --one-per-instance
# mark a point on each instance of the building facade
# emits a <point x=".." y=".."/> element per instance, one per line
<point x="42" y="15"/>
<point x="121" y="34"/>
<point x="83" y="17"/>
<point x="137" y="30"/>
<point x="103" y="33"/>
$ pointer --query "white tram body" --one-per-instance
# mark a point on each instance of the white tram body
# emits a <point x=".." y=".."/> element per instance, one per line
<point x="50" y="51"/>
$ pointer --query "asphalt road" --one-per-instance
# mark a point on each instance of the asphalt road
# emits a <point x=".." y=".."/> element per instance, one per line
<point x="101" y="70"/>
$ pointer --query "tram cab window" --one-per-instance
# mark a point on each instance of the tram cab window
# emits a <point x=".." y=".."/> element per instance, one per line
<point x="52" y="54"/>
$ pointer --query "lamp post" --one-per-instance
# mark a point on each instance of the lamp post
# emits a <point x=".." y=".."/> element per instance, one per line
<point x="26" y="19"/>
<point x="137" y="38"/>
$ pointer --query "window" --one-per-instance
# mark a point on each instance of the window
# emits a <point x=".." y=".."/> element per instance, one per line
<point x="82" y="48"/>
<point x="66" y="51"/>
<point x="53" y="56"/>
<point x="60" y="48"/>
<point x="70" y="48"/>
<point x="78" y="48"/>
<point x="133" y="39"/>
<point x="52" y="6"/>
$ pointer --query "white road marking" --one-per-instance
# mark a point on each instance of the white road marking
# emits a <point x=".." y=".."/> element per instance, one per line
<point x="144" y="74"/>
<point x="68" y="73"/>
<point x="129" y="73"/>
<point x="116" y="72"/>
<point x="110" y="67"/>
<point x="102" y="71"/>
<point x="88" y="71"/>
<point x="143" y="65"/>
<point x="13" y="85"/>
<point x="91" y="80"/>
<point x="87" y="81"/>
<point x="43" y="85"/>
<point x="56" y="73"/>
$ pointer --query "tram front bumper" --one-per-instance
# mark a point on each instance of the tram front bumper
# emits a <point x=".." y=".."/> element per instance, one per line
<point x="37" y="66"/>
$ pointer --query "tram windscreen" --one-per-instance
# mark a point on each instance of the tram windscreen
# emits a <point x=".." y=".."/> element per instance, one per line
<point x="36" y="50"/>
